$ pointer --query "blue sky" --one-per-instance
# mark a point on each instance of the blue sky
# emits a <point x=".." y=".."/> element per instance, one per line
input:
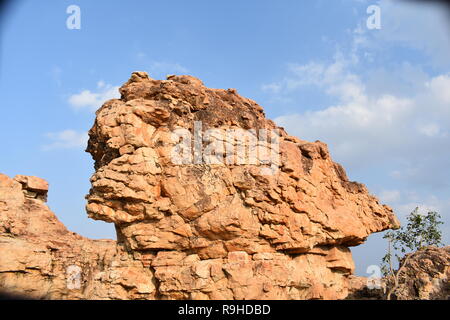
<point x="379" y="98"/>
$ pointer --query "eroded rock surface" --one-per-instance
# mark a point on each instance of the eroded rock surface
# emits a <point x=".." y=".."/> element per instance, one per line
<point x="41" y="259"/>
<point x="426" y="275"/>
<point x="227" y="226"/>
<point x="285" y="234"/>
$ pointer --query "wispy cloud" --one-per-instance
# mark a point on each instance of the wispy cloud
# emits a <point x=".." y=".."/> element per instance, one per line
<point x="389" y="196"/>
<point x="401" y="28"/>
<point x="66" y="139"/>
<point x="272" y="87"/>
<point x="166" y="68"/>
<point x="404" y="202"/>
<point x="383" y="118"/>
<point x="364" y="128"/>
<point x="160" y="68"/>
<point x="92" y="100"/>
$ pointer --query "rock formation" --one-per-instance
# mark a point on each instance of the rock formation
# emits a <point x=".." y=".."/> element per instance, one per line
<point x="425" y="276"/>
<point x="210" y="200"/>
<point x="41" y="259"/>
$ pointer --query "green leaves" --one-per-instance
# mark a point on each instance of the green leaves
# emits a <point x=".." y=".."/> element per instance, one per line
<point x="420" y="231"/>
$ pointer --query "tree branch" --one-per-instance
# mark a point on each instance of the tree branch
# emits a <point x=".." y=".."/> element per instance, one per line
<point x="400" y="269"/>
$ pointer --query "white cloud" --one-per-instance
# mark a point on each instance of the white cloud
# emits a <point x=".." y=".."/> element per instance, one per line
<point x="440" y="87"/>
<point x="163" y="68"/>
<point x="392" y="129"/>
<point x="430" y="129"/>
<point x="271" y="87"/>
<point x="90" y="100"/>
<point x="424" y="27"/>
<point x="364" y="128"/>
<point x="388" y="118"/>
<point x="101" y="84"/>
<point x="67" y="139"/>
<point x="310" y="74"/>
<point x="406" y="202"/>
<point x="389" y="196"/>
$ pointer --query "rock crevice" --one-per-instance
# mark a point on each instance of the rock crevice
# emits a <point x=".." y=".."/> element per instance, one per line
<point x="197" y="221"/>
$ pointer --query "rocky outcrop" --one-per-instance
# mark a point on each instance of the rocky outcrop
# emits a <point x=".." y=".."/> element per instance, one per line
<point x="425" y="276"/>
<point x="255" y="228"/>
<point x="214" y="201"/>
<point x="41" y="259"/>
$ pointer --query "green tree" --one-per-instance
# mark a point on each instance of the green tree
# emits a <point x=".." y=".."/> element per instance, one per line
<point x="420" y="231"/>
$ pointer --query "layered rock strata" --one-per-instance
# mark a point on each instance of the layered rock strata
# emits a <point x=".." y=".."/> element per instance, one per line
<point x="41" y="259"/>
<point x="256" y="226"/>
<point x="210" y="200"/>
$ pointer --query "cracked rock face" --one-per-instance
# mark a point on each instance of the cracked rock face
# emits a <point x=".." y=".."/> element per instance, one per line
<point x="210" y="200"/>
<point x="41" y="259"/>
<point x="426" y="275"/>
<point x="217" y="226"/>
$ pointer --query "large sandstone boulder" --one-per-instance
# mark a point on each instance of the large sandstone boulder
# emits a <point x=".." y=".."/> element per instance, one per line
<point x="257" y="226"/>
<point x="210" y="200"/>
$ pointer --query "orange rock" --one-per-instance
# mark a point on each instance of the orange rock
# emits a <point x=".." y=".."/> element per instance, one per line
<point x="41" y="259"/>
<point x="221" y="209"/>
